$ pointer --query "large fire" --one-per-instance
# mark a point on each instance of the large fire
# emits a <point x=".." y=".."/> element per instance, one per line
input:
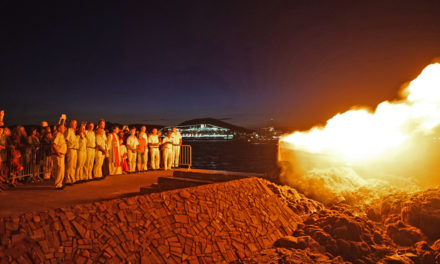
<point x="394" y="145"/>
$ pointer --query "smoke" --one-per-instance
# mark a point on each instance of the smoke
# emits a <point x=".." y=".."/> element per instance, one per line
<point x="395" y="148"/>
<point x="329" y="185"/>
<point x="325" y="179"/>
<point x="343" y="184"/>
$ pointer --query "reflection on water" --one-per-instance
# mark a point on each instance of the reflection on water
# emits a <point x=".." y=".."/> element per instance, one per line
<point x="233" y="155"/>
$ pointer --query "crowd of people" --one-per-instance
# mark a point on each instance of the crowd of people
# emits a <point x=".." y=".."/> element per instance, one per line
<point x="85" y="152"/>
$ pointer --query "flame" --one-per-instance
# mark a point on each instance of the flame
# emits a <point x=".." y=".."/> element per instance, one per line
<point x="361" y="138"/>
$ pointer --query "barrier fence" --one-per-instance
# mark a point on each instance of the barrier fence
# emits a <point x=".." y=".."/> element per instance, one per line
<point x="36" y="162"/>
<point x="31" y="160"/>
<point x="185" y="156"/>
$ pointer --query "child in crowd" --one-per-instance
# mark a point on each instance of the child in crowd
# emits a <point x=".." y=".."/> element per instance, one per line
<point x="16" y="167"/>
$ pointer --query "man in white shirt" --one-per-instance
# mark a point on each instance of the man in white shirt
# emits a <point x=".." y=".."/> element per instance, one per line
<point x="153" y="144"/>
<point x="100" y="152"/>
<point x="60" y="148"/>
<point x="82" y="153"/>
<point x="167" y="144"/>
<point x="177" y="142"/>
<point x="91" y="145"/>
<point x="142" y="156"/>
<point x="72" y="151"/>
<point x="101" y="125"/>
<point x="132" y="143"/>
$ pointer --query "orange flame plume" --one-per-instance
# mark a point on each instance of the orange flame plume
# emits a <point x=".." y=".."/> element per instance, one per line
<point x="394" y="145"/>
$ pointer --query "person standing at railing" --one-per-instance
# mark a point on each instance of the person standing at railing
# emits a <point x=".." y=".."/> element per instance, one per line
<point x="20" y="143"/>
<point x="46" y="151"/>
<point x="8" y="147"/>
<point x="82" y="153"/>
<point x="114" y="152"/>
<point x="100" y="152"/>
<point x="132" y="144"/>
<point x="32" y="152"/>
<point x="44" y="124"/>
<point x="15" y="165"/>
<point x="60" y="148"/>
<point x="72" y="152"/>
<point x="167" y="144"/>
<point x="177" y="142"/>
<point x="153" y="144"/>
<point x="33" y="139"/>
<point x="91" y="146"/>
<point x="142" y="150"/>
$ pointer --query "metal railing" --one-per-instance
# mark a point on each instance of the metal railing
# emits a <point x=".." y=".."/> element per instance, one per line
<point x="31" y="160"/>
<point x="185" y="156"/>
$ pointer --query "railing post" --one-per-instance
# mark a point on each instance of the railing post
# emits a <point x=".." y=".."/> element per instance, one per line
<point x="190" y="157"/>
<point x="185" y="155"/>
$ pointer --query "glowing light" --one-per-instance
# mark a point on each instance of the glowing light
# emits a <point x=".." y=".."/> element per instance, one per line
<point x="361" y="134"/>
<point x="365" y="152"/>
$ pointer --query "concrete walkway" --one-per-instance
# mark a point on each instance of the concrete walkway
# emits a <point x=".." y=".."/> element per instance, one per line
<point x="43" y="196"/>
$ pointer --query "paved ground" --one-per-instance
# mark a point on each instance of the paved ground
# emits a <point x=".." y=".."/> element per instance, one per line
<point x="42" y="196"/>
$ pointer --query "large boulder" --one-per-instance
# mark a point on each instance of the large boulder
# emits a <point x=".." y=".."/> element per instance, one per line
<point x="404" y="235"/>
<point x="301" y="242"/>
<point x="339" y="233"/>
<point x="423" y="211"/>
<point x="296" y="201"/>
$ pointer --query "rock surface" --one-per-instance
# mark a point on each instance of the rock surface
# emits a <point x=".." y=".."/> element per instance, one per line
<point x="411" y="214"/>
<point x="205" y="224"/>
<point x="396" y="229"/>
<point x="423" y="211"/>
<point x="242" y="221"/>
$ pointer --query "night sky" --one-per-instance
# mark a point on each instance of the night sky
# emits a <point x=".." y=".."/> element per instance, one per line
<point x="164" y="62"/>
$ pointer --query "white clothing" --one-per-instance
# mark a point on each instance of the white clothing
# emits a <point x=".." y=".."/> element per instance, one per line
<point x="91" y="143"/>
<point x="132" y="142"/>
<point x="82" y="156"/>
<point x="153" y="144"/>
<point x="113" y="149"/>
<point x="71" y="139"/>
<point x="140" y="161"/>
<point x="99" y="155"/>
<point x="131" y="155"/>
<point x="153" y="140"/>
<point x="154" y="158"/>
<point x="167" y="143"/>
<point x="72" y="155"/>
<point x="176" y="137"/>
<point x="61" y="145"/>
<point x="177" y="140"/>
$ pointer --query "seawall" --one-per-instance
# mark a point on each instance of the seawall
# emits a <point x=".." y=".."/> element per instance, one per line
<point x="210" y="223"/>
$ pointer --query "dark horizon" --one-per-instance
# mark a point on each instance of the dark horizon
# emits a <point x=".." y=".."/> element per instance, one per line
<point x="296" y="62"/>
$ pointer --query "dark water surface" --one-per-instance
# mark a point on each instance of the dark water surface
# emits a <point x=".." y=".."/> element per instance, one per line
<point x="233" y="155"/>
